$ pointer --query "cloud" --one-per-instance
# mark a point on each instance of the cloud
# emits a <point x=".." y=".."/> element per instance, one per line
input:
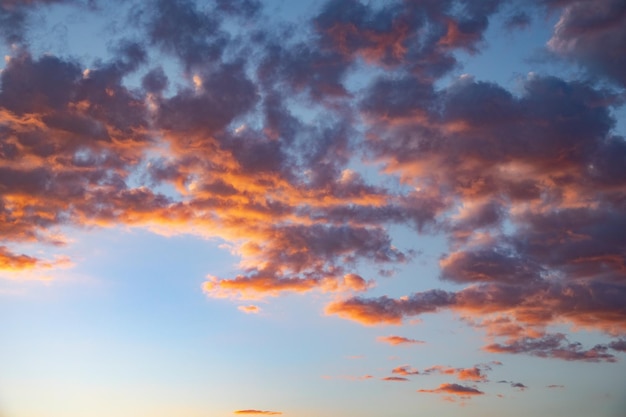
<point x="258" y="412"/>
<point x="477" y="373"/>
<point x="597" y="305"/>
<point x="398" y="340"/>
<point x="519" y="386"/>
<point x="517" y="20"/>
<point x="591" y="34"/>
<point x="553" y="346"/>
<point x="387" y="310"/>
<point x="401" y="34"/>
<point x="471" y="374"/>
<point x="395" y="379"/>
<point x="439" y="369"/>
<point x="249" y="309"/>
<point x="454" y="389"/>
<point x="245" y="8"/>
<point x="314" y="252"/>
<point x="14" y="17"/>
<point x="405" y="370"/>
<point x="11" y="261"/>
<point x="619" y="345"/>
<point x="180" y="28"/>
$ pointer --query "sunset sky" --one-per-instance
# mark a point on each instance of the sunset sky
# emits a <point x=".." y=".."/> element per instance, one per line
<point x="310" y="208"/>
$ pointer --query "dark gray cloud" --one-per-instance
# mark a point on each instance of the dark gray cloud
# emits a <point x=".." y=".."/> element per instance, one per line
<point x="554" y="346"/>
<point x="593" y="34"/>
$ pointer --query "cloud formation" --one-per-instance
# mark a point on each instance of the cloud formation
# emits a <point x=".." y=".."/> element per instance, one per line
<point x="260" y="145"/>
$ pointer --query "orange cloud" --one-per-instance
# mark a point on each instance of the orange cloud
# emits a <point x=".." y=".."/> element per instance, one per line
<point x="444" y="370"/>
<point x="249" y="309"/>
<point x="404" y="370"/>
<point x="26" y="267"/>
<point x="258" y="412"/>
<point x="385" y="310"/>
<point x="11" y="261"/>
<point x="398" y="340"/>
<point x="471" y="374"/>
<point x="477" y="373"/>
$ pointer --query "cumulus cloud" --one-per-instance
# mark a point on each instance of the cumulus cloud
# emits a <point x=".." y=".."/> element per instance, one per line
<point x="593" y="35"/>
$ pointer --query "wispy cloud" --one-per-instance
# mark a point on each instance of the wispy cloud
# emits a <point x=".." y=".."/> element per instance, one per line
<point x="398" y="340"/>
<point x="454" y="389"/>
<point x="249" y="309"/>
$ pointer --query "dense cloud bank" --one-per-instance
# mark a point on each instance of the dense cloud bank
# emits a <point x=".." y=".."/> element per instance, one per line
<point x="260" y="140"/>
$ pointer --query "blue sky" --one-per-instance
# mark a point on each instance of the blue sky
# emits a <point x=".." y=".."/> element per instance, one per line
<point x="339" y="208"/>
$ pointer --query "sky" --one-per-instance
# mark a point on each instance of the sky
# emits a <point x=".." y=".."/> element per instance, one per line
<point x="315" y="208"/>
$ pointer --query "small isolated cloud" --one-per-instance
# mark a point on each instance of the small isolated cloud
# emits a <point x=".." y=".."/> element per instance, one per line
<point x="405" y="370"/>
<point x="258" y="412"/>
<point x="517" y="385"/>
<point x="355" y="357"/>
<point x="555" y="386"/>
<point x="395" y="378"/>
<point x="472" y="374"/>
<point x="249" y="309"/>
<point x="398" y="340"/>
<point x="454" y="389"/>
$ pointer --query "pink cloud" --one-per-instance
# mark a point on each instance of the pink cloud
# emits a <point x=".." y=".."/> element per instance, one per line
<point x="398" y="340"/>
